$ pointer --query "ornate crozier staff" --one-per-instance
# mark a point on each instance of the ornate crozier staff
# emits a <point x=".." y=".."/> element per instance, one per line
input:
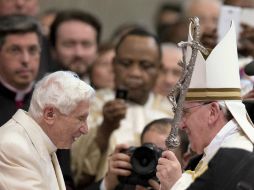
<point x="181" y="88"/>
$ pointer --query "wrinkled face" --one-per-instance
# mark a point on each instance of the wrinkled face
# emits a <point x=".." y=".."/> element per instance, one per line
<point x="136" y="66"/>
<point x="19" y="59"/>
<point x="102" y="75"/>
<point x="76" y="46"/>
<point x="67" y="128"/>
<point x="170" y="72"/>
<point x="27" y="7"/>
<point x="195" y="124"/>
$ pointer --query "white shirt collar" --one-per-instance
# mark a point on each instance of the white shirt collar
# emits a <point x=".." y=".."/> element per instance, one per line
<point x="230" y="128"/>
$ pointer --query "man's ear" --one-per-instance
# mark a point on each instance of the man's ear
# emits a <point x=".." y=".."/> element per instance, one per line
<point x="214" y="112"/>
<point x="49" y="115"/>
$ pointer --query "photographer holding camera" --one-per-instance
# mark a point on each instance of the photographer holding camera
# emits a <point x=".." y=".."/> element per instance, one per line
<point x="129" y="167"/>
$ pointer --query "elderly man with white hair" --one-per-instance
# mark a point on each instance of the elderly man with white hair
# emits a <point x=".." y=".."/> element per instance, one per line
<point x="57" y="116"/>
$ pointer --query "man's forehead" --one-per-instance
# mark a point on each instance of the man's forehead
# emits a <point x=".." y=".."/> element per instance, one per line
<point x="22" y="36"/>
<point x="146" y="48"/>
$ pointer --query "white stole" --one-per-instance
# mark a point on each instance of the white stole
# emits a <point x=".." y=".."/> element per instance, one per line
<point x="58" y="172"/>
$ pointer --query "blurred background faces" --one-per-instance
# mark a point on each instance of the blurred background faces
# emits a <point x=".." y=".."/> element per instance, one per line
<point x="141" y="11"/>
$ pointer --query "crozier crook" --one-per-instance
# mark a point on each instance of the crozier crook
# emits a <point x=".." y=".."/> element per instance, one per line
<point x="181" y="88"/>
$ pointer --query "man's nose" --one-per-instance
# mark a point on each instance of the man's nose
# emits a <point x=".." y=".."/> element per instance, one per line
<point x="25" y="57"/>
<point x="79" y="50"/>
<point x="135" y="70"/>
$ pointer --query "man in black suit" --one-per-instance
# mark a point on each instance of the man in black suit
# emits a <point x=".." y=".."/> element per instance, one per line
<point x="19" y="61"/>
<point x="230" y="168"/>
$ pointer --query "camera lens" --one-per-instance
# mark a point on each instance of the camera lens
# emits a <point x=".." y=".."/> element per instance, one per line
<point x="144" y="161"/>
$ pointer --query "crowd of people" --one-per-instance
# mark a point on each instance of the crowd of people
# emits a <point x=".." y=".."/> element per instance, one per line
<point x="81" y="113"/>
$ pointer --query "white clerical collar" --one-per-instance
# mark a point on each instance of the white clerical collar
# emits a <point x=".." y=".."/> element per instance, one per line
<point x="230" y="128"/>
<point x="51" y="147"/>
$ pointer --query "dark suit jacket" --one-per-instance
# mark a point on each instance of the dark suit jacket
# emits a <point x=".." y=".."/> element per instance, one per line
<point x="230" y="169"/>
<point x="7" y="104"/>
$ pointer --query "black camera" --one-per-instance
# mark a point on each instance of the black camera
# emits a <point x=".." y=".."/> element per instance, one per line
<point x="144" y="160"/>
<point x="121" y="93"/>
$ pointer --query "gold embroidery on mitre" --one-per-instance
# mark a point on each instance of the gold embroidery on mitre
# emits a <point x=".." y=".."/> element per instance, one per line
<point x="213" y="94"/>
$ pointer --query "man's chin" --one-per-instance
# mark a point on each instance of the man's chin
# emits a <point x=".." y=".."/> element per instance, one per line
<point x="23" y="84"/>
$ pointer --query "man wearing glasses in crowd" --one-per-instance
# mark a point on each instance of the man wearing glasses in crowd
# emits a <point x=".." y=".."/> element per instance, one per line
<point x="215" y="121"/>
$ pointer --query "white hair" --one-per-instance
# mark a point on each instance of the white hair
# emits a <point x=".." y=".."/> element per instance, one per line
<point x="62" y="90"/>
<point x="225" y="109"/>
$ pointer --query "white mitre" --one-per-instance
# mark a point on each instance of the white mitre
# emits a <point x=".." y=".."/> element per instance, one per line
<point x="217" y="79"/>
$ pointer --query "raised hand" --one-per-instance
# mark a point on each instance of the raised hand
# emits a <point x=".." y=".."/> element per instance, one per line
<point x="168" y="170"/>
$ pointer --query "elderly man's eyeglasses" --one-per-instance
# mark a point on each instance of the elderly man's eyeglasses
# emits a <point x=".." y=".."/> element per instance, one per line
<point x="187" y="110"/>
